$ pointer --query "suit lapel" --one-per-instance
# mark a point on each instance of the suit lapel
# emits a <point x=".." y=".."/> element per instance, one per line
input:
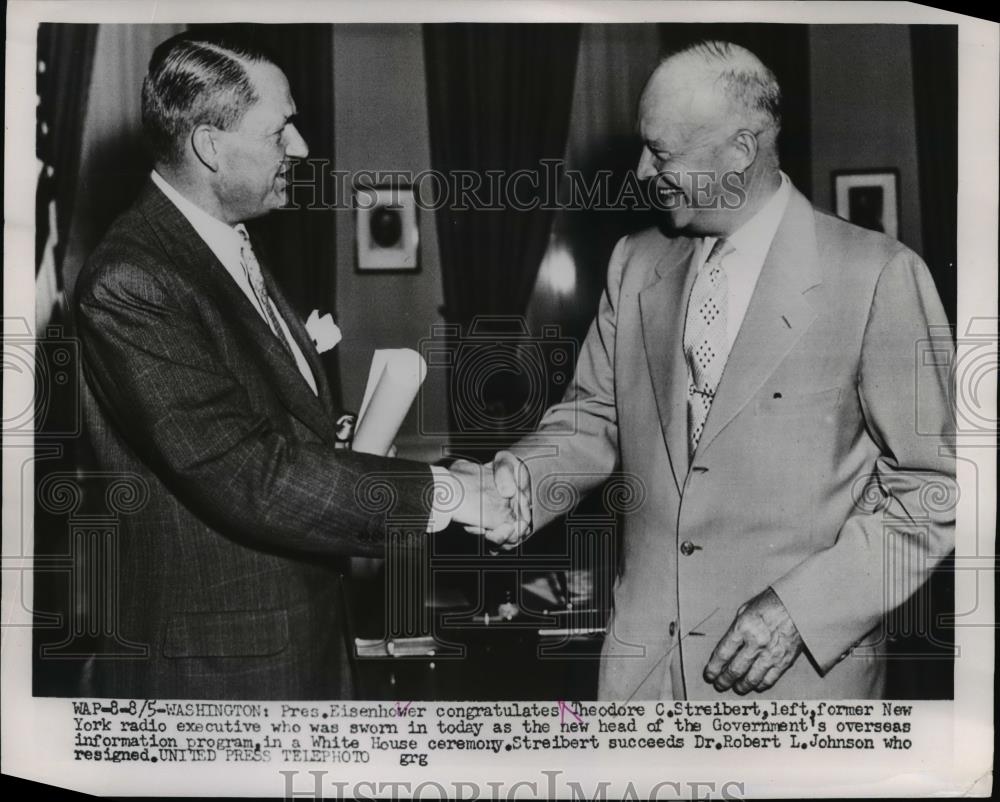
<point x="197" y="262"/>
<point x="776" y="319"/>
<point x="662" y="307"/>
<point x="301" y="336"/>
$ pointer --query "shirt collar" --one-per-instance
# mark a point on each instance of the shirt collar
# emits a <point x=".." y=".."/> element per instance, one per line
<point x="752" y="240"/>
<point x="221" y="238"/>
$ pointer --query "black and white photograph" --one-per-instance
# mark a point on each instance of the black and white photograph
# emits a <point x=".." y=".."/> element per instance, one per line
<point x="387" y="237"/>
<point x="868" y="198"/>
<point x="499" y="380"/>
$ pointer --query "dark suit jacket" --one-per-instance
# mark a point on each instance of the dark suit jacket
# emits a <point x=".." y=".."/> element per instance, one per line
<point x="224" y="573"/>
<point x="823" y="469"/>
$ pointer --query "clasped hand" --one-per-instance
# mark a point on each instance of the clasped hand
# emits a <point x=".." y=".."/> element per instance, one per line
<point x="494" y="500"/>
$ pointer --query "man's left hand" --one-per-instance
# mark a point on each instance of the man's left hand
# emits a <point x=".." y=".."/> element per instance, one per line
<point x="761" y="644"/>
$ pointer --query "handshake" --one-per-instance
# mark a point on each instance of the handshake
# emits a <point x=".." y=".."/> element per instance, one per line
<point x="492" y="500"/>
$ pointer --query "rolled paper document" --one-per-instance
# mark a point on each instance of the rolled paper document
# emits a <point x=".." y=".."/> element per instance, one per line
<point x="393" y="382"/>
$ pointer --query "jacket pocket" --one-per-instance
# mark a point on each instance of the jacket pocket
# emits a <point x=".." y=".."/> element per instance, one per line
<point x="238" y="633"/>
<point x="797" y="403"/>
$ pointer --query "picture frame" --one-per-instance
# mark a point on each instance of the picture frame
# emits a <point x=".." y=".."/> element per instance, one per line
<point x="387" y="235"/>
<point x="868" y="198"/>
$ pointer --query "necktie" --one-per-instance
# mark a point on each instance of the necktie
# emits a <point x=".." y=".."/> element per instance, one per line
<point x="705" y="343"/>
<point x="252" y="268"/>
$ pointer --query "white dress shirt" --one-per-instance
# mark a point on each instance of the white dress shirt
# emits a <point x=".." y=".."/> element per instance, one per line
<point x="743" y="264"/>
<point x="223" y="240"/>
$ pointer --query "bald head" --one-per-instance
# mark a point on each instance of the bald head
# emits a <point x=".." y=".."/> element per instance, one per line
<point x="717" y="83"/>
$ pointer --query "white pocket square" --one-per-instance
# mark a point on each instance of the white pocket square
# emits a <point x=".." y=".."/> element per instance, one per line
<point x="324" y="332"/>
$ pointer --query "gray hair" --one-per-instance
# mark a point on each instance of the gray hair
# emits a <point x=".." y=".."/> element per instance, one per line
<point x="746" y="81"/>
<point x="193" y="82"/>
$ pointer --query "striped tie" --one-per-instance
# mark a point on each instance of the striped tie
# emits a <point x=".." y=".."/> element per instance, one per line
<point x="252" y="268"/>
<point x="705" y="343"/>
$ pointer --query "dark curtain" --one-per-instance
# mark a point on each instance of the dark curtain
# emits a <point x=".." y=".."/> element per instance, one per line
<point x="783" y="48"/>
<point x="300" y="240"/>
<point x="63" y="83"/>
<point x="498" y="98"/>
<point x="935" y="96"/>
<point x="64" y="63"/>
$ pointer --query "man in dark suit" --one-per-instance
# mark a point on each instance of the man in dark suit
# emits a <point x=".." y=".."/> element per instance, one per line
<point x="757" y="375"/>
<point x="201" y="381"/>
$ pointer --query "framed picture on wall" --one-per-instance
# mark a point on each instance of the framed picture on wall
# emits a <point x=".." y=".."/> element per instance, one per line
<point x="386" y="232"/>
<point x="868" y="198"/>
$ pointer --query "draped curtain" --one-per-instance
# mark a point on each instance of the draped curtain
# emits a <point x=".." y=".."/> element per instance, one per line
<point x="498" y="99"/>
<point x="65" y="60"/>
<point x="64" y="65"/>
<point x="614" y="62"/>
<point x="935" y="95"/>
<point x="783" y="48"/>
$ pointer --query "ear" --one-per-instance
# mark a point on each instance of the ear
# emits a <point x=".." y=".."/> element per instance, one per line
<point x="205" y="146"/>
<point x="745" y="149"/>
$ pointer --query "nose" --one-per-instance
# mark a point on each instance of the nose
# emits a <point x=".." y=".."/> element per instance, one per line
<point x="645" y="169"/>
<point x="296" y="146"/>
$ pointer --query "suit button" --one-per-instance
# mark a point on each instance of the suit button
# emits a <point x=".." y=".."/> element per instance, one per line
<point x="687" y="548"/>
<point x="672" y="629"/>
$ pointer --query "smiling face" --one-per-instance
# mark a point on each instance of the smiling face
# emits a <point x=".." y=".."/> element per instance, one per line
<point x="688" y="150"/>
<point x="256" y="155"/>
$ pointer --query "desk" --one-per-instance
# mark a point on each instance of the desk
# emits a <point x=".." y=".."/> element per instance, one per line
<point x="474" y="656"/>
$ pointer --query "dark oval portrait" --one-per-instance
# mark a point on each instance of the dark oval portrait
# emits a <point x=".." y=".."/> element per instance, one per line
<point x="386" y="226"/>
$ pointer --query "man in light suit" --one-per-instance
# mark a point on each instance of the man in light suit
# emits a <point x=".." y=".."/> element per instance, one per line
<point x="756" y="372"/>
<point x="202" y="381"/>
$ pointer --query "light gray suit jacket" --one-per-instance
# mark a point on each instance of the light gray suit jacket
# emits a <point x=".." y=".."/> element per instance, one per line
<point x="824" y="470"/>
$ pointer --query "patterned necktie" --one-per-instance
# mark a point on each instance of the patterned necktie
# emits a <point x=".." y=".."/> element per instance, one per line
<point x="252" y="268"/>
<point x="705" y="343"/>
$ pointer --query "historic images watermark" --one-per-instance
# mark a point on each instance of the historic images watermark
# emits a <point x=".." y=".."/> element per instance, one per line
<point x="316" y="784"/>
<point x="316" y="185"/>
